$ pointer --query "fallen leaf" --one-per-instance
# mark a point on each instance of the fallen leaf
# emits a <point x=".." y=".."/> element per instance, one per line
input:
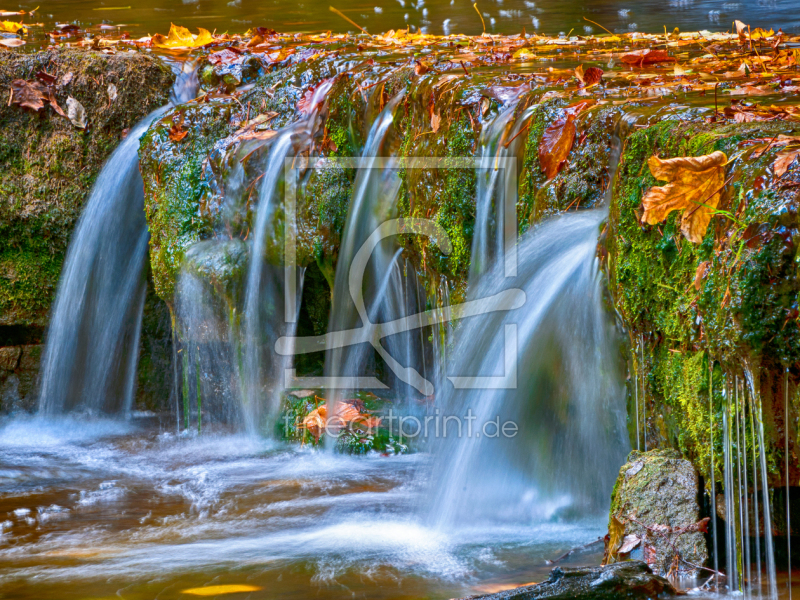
<point x="12" y="42"/>
<point x="783" y="161"/>
<point x="76" y="113"/>
<point x="66" y="78"/>
<point x="647" y="57"/>
<point x="559" y="138"/>
<point x="700" y="273"/>
<point x="12" y="27"/>
<point x="695" y="187"/>
<point x="218" y="590"/>
<point x="592" y="75"/>
<point x="741" y="29"/>
<point x="112" y="92"/>
<point x="307" y="102"/>
<point x="223" y="57"/>
<point x="302" y="393"/>
<point x="30" y="94"/>
<point x="180" y="37"/>
<point x="177" y="132"/>
<point x="435" y="122"/>
<point x="629" y="542"/>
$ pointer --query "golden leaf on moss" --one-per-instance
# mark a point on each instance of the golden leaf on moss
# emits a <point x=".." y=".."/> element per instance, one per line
<point x="218" y="590"/>
<point x="180" y="37"/>
<point x="695" y="187"/>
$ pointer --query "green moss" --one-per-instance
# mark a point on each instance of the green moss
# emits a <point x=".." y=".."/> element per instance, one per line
<point x="47" y="166"/>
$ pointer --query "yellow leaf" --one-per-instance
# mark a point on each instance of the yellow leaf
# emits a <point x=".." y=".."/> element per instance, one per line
<point x="12" y="27"/>
<point x="695" y="187"/>
<point x="218" y="590"/>
<point x="180" y="37"/>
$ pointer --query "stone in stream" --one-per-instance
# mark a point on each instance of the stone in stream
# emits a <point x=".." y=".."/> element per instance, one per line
<point x="655" y="514"/>
<point x="624" y="580"/>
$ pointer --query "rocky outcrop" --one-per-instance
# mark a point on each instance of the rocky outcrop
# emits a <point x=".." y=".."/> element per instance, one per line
<point x="622" y="581"/>
<point x="655" y="514"/>
<point x="47" y="167"/>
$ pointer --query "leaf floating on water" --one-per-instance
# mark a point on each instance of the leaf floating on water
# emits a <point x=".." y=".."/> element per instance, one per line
<point x="180" y="37"/>
<point x="695" y="187"/>
<point x="76" y="113"/>
<point x="12" y="27"/>
<point x="223" y="57"/>
<point x="12" y="42"/>
<point x="559" y="138"/>
<point x="218" y="590"/>
<point x="641" y="58"/>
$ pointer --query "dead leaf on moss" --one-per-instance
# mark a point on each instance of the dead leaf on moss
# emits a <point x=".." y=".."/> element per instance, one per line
<point x="30" y="94"/>
<point x="700" y="273"/>
<point x="695" y="187"/>
<point x="559" y="138"/>
<point x="76" y="113"/>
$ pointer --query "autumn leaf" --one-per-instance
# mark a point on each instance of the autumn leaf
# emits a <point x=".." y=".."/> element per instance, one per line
<point x="180" y="37"/>
<point x="218" y="590"/>
<point x="76" y="113"/>
<point x="307" y="102"/>
<point x="12" y="42"/>
<point x="695" y="187"/>
<point x="741" y="30"/>
<point x="647" y="57"/>
<point x="783" y="161"/>
<point x="558" y="139"/>
<point x="12" y="27"/>
<point x="30" y="94"/>
<point x="700" y="273"/>
<point x="223" y="57"/>
<point x="435" y="121"/>
<point x="589" y="76"/>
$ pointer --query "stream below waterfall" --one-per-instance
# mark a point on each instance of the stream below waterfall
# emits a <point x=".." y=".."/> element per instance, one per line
<point x="113" y="509"/>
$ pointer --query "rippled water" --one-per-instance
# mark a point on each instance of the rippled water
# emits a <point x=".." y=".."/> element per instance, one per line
<point x="435" y="16"/>
<point x="91" y="510"/>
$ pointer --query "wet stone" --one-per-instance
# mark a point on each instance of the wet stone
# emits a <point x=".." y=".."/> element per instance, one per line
<point x="655" y="514"/>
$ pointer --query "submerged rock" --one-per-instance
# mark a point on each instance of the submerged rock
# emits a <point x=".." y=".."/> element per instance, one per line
<point x="655" y="514"/>
<point x="620" y="581"/>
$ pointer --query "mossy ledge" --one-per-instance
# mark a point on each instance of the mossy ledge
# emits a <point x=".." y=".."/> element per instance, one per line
<point x="47" y="168"/>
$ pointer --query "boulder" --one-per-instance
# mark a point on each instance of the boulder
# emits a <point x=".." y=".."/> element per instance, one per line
<point x="655" y="514"/>
<point x="620" y="581"/>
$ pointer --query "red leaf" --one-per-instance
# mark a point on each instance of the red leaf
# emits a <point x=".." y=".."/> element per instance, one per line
<point x="647" y="57"/>
<point x="592" y="75"/>
<point x="558" y="140"/>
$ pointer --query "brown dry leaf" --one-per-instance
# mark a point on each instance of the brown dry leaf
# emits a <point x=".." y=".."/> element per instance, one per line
<point x="640" y="58"/>
<point x="741" y="29"/>
<point x="180" y="37"/>
<point x="435" y="121"/>
<point x="223" y="57"/>
<point x="783" y="161"/>
<point x="579" y="73"/>
<point x="307" y="103"/>
<point x="558" y="139"/>
<point x="177" y="132"/>
<point x="592" y="75"/>
<point x="30" y="94"/>
<point x="629" y="542"/>
<point x="700" y="273"/>
<point x="695" y="187"/>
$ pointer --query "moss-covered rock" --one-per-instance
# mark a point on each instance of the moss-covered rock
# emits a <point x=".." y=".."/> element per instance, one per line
<point x="48" y="166"/>
<point x="655" y="512"/>
<point x="701" y="315"/>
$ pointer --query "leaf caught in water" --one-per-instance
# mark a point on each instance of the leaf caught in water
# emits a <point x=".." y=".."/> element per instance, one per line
<point x="180" y="37"/>
<point x="559" y="138"/>
<point x="641" y="58"/>
<point x="695" y="187"/>
<point x="12" y="27"/>
<point x="12" y="42"/>
<point x="218" y="590"/>
<point x="783" y="161"/>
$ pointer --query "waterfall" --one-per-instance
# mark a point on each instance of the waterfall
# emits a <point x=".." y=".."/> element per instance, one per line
<point x="372" y="203"/>
<point x="562" y="390"/>
<point x="92" y="343"/>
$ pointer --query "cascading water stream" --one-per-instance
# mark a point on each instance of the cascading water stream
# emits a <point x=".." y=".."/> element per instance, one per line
<point x="91" y="350"/>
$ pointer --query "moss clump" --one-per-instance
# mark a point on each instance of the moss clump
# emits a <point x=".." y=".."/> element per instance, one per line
<point x="730" y="300"/>
<point x="48" y="166"/>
